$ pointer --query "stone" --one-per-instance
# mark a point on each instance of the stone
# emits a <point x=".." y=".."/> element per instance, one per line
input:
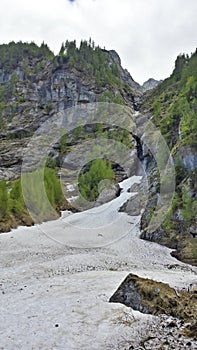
<point x="148" y="296"/>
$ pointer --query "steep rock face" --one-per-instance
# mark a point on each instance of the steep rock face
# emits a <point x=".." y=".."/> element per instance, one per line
<point x="35" y="87"/>
<point x="124" y="74"/>
<point x="172" y="106"/>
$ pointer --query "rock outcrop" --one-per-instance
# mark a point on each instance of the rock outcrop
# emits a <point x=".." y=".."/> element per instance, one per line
<point x="157" y="298"/>
<point x="172" y="109"/>
<point x="38" y="86"/>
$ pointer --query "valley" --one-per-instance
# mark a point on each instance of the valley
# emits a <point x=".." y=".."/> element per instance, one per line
<point x="97" y="186"/>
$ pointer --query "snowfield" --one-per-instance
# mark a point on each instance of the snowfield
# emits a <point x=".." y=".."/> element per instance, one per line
<point x="57" y="277"/>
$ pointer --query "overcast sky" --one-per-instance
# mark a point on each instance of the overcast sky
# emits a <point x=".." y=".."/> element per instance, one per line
<point x="147" y="34"/>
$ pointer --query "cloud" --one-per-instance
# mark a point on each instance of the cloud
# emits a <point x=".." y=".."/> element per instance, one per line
<point x="148" y="35"/>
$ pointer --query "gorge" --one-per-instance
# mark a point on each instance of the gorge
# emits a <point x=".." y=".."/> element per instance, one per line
<point x="58" y="276"/>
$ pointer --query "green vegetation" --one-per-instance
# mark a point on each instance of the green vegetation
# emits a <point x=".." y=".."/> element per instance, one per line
<point x="11" y="54"/>
<point x="92" y="61"/>
<point x="110" y="97"/>
<point x="27" y="62"/>
<point x="173" y="104"/>
<point x="189" y="207"/>
<point x="19" y="60"/>
<point x="187" y="251"/>
<point x="3" y="200"/>
<point x="12" y="205"/>
<point x="95" y="172"/>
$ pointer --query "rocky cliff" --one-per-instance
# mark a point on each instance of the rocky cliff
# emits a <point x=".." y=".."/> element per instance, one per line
<point x="34" y="85"/>
<point x="173" y="107"/>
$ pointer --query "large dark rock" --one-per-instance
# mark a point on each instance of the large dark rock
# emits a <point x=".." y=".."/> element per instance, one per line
<point x="152" y="297"/>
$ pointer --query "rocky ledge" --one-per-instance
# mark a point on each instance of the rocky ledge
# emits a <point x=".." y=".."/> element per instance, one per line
<point x="177" y="310"/>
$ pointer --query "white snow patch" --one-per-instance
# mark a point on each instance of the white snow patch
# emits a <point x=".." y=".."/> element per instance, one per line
<point x="56" y="297"/>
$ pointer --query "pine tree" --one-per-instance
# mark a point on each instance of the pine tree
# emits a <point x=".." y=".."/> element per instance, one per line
<point x="98" y="170"/>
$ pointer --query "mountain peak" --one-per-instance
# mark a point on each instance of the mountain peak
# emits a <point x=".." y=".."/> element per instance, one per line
<point x="150" y="84"/>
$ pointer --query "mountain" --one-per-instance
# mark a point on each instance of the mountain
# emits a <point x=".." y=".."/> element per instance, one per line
<point x="35" y="85"/>
<point x="57" y="277"/>
<point x="150" y="84"/>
